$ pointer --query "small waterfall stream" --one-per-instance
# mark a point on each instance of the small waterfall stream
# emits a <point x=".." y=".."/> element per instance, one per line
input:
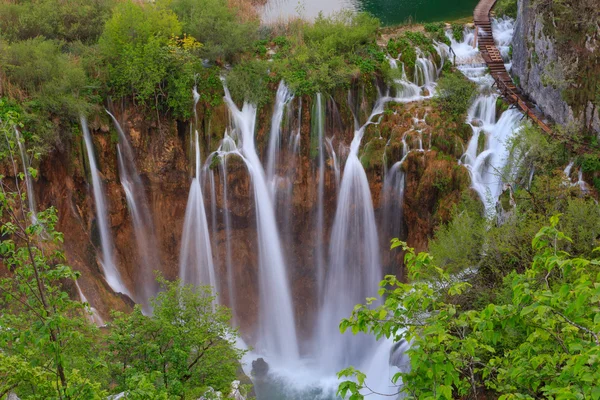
<point x="196" y="264"/>
<point x="94" y="317"/>
<point x="282" y="98"/>
<point x="135" y="194"/>
<point x="111" y="273"/>
<point x="392" y="221"/>
<point x="228" y="244"/>
<point x="319" y="127"/>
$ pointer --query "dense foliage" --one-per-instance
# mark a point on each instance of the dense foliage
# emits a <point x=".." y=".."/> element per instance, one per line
<point x="455" y="94"/>
<point x="540" y="340"/>
<point x="73" y="20"/>
<point x="60" y="59"/>
<point x="221" y="30"/>
<point x="186" y="345"/>
<point x="329" y="53"/>
<point x="504" y="307"/>
<point x="49" y="349"/>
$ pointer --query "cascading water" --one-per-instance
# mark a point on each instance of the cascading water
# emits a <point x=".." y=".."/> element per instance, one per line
<point x="111" y="273"/>
<point x="209" y="174"/>
<point x="486" y="156"/>
<point x="334" y="160"/>
<point x="354" y="267"/>
<point x="277" y="327"/>
<point x="283" y="97"/>
<point x="143" y="225"/>
<point x="94" y="317"/>
<point x="425" y="71"/>
<point x="195" y="258"/>
<point x="393" y="200"/>
<point x="281" y="163"/>
<point x="424" y="78"/>
<point x="487" y="167"/>
<point x="228" y="244"/>
<point x="319" y="131"/>
<point x="406" y="91"/>
<point x="226" y="149"/>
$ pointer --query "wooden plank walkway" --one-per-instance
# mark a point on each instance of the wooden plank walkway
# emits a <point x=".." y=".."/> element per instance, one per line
<point x="491" y="55"/>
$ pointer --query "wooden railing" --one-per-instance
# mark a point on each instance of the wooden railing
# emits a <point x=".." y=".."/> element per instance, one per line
<point x="485" y="41"/>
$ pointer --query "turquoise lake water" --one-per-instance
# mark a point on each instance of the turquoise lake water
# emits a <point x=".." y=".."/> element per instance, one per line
<point x="390" y="12"/>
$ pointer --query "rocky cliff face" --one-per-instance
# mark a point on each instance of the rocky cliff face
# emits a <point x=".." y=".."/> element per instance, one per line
<point x="162" y="151"/>
<point x="555" y="59"/>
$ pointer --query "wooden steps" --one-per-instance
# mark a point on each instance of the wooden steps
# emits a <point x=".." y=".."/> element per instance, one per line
<point x="492" y="57"/>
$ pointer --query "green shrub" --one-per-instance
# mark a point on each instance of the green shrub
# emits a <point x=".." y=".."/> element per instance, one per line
<point x="134" y="43"/>
<point x="433" y="27"/>
<point x="73" y="20"/>
<point x="437" y="31"/>
<point x="185" y="346"/>
<point x="458" y="32"/>
<point x="590" y="163"/>
<point x="51" y="87"/>
<point x="149" y="60"/>
<point x="330" y="53"/>
<point x="507" y="8"/>
<point x="454" y="94"/>
<point x="249" y="81"/>
<point x="537" y="339"/>
<point x="260" y="47"/>
<point x="217" y="27"/>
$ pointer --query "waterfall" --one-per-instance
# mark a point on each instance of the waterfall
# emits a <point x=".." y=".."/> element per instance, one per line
<point x="334" y="158"/>
<point x="277" y="325"/>
<point x="488" y="166"/>
<point x="482" y="118"/>
<point x="423" y="84"/>
<point x="580" y="182"/>
<point x="283" y="97"/>
<point x="354" y="267"/>
<point x="228" y="244"/>
<point x="111" y="273"/>
<point x="28" y="179"/>
<point x="93" y="316"/>
<point x="425" y="71"/>
<point x="319" y="126"/>
<point x="393" y="201"/>
<point x="195" y="258"/>
<point x="143" y="225"/>
<point x="208" y="172"/>
<point x="280" y="166"/>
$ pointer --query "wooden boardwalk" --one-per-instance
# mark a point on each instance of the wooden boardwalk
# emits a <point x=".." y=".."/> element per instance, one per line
<point x="493" y="59"/>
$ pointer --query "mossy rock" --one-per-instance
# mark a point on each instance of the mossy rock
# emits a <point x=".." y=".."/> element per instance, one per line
<point x="501" y="106"/>
<point x="481" y="141"/>
<point x="373" y="153"/>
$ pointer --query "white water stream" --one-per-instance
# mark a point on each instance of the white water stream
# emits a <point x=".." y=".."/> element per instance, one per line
<point x="146" y="285"/>
<point x="277" y="323"/>
<point x="107" y="262"/>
